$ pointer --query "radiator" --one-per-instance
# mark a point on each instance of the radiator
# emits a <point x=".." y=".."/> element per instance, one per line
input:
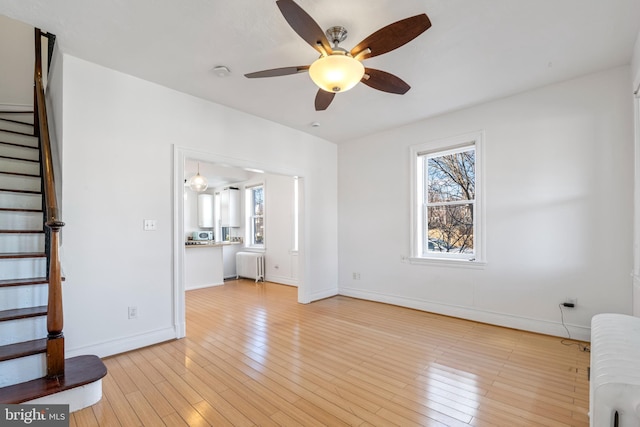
<point x="250" y="265"/>
<point x="614" y="391"/>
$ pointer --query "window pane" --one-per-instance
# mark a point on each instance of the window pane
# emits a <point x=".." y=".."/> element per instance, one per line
<point x="258" y="230"/>
<point x="258" y="201"/>
<point x="449" y="229"/>
<point x="451" y="177"/>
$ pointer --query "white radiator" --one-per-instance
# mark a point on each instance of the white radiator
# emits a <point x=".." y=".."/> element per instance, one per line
<point x="615" y="370"/>
<point x="250" y="265"/>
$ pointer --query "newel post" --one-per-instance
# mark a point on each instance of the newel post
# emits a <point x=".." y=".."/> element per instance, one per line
<point x="55" y="338"/>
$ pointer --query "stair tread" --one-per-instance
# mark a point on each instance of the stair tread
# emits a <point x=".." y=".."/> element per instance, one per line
<point x="20" y="174"/>
<point x="79" y="371"/>
<point x="12" y="255"/>
<point x="21" y="231"/>
<point x="19" y="210"/>
<point x="16" y="144"/>
<point x="22" y="313"/>
<point x="23" y="349"/>
<point x="20" y="158"/>
<point x="17" y="132"/>
<point x="23" y="282"/>
<point x="11" y="190"/>
<point x="20" y="122"/>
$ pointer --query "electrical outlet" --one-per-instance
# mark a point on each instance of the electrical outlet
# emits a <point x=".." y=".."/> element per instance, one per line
<point x="133" y="312"/>
<point x="150" y="225"/>
<point x="356" y="276"/>
<point x="570" y="302"/>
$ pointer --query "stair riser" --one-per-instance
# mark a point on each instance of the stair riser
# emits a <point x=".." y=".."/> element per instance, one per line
<point x="19" y="117"/>
<point x="22" y="268"/>
<point x="15" y="127"/>
<point x="17" y="166"/>
<point x="24" y="369"/>
<point x="21" y="330"/>
<point x="21" y="220"/>
<point x="14" y="138"/>
<point x="12" y="243"/>
<point x="20" y="201"/>
<point x="22" y="297"/>
<point x="14" y="182"/>
<point x="18" y="152"/>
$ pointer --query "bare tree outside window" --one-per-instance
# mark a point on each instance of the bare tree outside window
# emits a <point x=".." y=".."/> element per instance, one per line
<point x="257" y="215"/>
<point x="449" y="201"/>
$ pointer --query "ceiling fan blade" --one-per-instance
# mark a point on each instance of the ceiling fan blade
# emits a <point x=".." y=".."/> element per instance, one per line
<point x="275" y="72"/>
<point x="392" y="36"/>
<point x="384" y="81"/>
<point x="304" y="25"/>
<point x="323" y="99"/>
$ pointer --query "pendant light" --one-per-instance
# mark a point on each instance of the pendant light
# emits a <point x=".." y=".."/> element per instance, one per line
<point x="198" y="182"/>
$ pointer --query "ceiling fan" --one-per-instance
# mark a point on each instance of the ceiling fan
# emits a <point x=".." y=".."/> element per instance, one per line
<point x="338" y="70"/>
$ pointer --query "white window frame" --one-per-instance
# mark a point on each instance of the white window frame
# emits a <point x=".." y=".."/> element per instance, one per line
<point x="249" y="215"/>
<point x="443" y="147"/>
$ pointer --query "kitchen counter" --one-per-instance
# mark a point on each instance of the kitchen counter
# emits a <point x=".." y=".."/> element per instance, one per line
<point x="210" y="244"/>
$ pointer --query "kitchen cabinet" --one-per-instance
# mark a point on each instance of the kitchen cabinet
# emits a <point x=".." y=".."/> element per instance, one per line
<point x="205" y="210"/>
<point x="230" y="207"/>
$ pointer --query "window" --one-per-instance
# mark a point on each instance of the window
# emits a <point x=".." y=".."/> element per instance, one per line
<point x="255" y="203"/>
<point x="447" y="205"/>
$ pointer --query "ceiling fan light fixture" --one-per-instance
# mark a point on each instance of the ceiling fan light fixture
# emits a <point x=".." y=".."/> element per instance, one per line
<point x="337" y="72"/>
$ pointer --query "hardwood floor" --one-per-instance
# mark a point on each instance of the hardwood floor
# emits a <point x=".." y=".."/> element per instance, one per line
<point x="253" y="356"/>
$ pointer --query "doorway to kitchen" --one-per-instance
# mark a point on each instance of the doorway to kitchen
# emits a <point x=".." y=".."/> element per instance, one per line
<point x="281" y="214"/>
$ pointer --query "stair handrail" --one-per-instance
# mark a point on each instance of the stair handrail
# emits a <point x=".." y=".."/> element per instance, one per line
<point x="55" y="337"/>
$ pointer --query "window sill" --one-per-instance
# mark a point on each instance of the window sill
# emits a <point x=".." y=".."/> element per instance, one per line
<point x="441" y="262"/>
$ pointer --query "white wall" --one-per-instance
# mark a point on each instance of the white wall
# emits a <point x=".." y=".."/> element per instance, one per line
<point x="559" y="190"/>
<point x="16" y="42"/>
<point x="119" y="136"/>
<point x="279" y="217"/>
<point x="635" y="73"/>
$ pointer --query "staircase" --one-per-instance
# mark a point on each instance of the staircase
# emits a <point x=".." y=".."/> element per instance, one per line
<point x="32" y="364"/>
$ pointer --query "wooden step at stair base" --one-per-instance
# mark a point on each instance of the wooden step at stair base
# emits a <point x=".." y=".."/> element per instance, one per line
<point x="22" y="349"/>
<point x="79" y="371"/>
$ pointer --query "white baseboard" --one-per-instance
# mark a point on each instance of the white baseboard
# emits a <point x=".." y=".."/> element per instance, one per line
<point x="125" y="344"/>
<point x="500" y="319"/>
<point x="323" y="294"/>
<point x="192" y="288"/>
<point x="281" y="280"/>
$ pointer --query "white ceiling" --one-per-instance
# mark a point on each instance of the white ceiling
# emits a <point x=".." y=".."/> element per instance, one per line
<point x="475" y="51"/>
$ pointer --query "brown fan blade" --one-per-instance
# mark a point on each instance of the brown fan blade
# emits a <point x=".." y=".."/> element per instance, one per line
<point x="304" y="25"/>
<point x="392" y="36"/>
<point x="323" y="99"/>
<point x="384" y="81"/>
<point x="275" y="72"/>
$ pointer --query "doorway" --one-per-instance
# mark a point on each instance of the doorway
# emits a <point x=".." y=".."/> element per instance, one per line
<point x="181" y="155"/>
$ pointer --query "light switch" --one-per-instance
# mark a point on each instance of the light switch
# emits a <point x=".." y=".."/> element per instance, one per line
<point x="150" y="225"/>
